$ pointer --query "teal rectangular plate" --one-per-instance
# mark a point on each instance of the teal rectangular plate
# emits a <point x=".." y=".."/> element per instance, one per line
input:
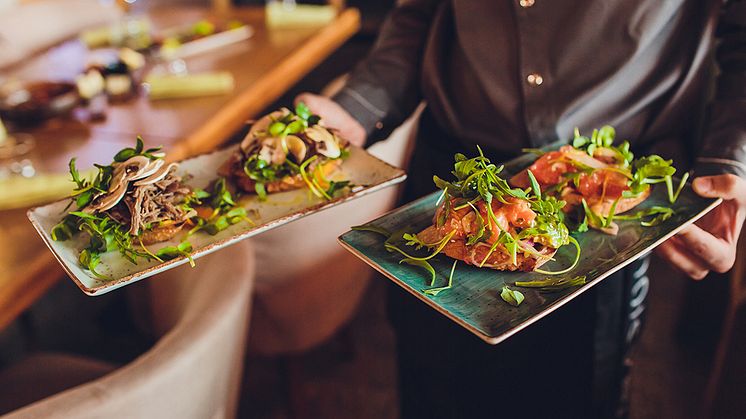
<point x="474" y="301"/>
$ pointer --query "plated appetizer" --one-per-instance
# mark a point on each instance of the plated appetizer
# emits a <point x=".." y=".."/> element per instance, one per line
<point x="287" y="150"/>
<point x="600" y="181"/>
<point x="484" y="222"/>
<point x="136" y="200"/>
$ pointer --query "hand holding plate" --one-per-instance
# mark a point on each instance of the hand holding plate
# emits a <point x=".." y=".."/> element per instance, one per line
<point x="711" y="243"/>
<point x="334" y="116"/>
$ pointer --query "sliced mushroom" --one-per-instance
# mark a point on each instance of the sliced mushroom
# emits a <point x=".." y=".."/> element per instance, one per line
<point x="151" y="168"/>
<point x="296" y="147"/>
<point x="261" y="125"/>
<point x="266" y="153"/>
<point x="278" y="154"/>
<point x="157" y="175"/>
<point x="132" y="165"/>
<point x="108" y="201"/>
<point x="319" y="134"/>
<point x="117" y="179"/>
<point x="328" y="145"/>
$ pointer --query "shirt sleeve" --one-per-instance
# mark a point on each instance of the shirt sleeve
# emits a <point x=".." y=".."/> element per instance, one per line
<point x="724" y="147"/>
<point x="384" y="88"/>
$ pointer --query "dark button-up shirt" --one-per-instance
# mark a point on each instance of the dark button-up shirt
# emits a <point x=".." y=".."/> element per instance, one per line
<point x="508" y="74"/>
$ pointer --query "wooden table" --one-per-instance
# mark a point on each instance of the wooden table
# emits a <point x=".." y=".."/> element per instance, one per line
<point x="264" y="67"/>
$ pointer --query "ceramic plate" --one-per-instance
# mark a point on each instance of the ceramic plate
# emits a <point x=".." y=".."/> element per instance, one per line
<point x="360" y="168"/>
<point x="474" y="301"/>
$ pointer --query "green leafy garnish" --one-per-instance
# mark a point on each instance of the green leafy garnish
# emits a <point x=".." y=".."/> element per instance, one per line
<point x="172" y="252"/>
<point x="512" y="297"/>
<point x="225" y="210"/>
<point x="435" y="291"/>
<point x="552" y="284"/>
<point x="422" y="264"/>
<point x="373" y="228"/>
<point x="604" y="138"/>
<point x="127" y="153"/>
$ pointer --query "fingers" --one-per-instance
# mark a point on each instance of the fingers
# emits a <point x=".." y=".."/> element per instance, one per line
<point x="334" y="116"/>
<point x="681" y="260"/>
<point x="309" y="99"/>
<point x="714" y="254"/>
<point x="726" y="186"/>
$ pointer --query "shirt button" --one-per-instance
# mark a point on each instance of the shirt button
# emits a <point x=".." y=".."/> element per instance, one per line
<point x="534" y="79"/>
<point x="526" y="3"/>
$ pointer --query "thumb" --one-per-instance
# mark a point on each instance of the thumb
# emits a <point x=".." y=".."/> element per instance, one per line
<point x="721" y="186"/>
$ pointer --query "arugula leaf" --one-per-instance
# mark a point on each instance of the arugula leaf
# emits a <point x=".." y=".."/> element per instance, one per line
<point x="534" y="184"/>
<point x="335" y="187"/>
<point x="422" y="264"/>
<point x="435" y="291"/>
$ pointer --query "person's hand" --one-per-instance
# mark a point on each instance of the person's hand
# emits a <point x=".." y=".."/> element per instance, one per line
<point x="710" y="243"/>
<point x="334" y="116"/>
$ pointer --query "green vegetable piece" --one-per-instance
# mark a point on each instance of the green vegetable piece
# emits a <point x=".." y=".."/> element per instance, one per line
<point x="295" y="127"/>
<point x="534" y="184"/>
<point x="302" y="111"/>
<point x="61" y="232"/>
<point x="435" y="291"/>
<point x="313" y="120"/>
<point x="260" y="191"/>
<point x="512" y="297"/>
<point x="124" y="155"/>
<point x="552" y="284"/>
<point x="372" y="228"/>
<point x="422" y="264"/>
<point x="276" y="128"/>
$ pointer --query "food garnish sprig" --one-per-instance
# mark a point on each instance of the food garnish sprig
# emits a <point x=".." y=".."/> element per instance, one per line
<point x="216" y="209"/>
<point x="293" y="143"/>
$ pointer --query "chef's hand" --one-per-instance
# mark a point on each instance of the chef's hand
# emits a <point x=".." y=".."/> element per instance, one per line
<point x="334" y="116"/>
<point x="710" y="243"/>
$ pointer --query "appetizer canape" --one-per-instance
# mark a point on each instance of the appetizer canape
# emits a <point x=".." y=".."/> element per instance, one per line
<point x="136" y="200"/>
<point x="602" y="180"/>
<point x="482" y="221"/>
<point x="287" y="150"/>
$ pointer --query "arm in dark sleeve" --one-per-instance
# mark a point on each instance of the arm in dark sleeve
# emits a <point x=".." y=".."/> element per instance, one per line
<point x="383" y="89"/>
<point x="724" y="148"/>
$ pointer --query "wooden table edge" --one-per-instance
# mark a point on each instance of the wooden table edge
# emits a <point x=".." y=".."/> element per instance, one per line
<point x="291" y="69"/>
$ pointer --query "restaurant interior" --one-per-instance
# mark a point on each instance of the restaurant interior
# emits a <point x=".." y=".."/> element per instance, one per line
<point x="276" y="319"/>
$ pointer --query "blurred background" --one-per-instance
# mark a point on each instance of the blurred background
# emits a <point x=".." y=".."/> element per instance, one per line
<point x="318" y="341"/>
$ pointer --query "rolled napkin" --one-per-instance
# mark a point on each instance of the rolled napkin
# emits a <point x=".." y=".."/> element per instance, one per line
<point x="21" y="192"/>
<point x="168" y="86"/>
<point x="34" y="26"/>
<point x="281" y="14"/>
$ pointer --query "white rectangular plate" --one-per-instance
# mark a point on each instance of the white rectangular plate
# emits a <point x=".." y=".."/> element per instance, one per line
<point x="360" y="168"/>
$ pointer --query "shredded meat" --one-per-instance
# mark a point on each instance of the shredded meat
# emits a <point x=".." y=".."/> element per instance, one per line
<point x="148" y="205"/>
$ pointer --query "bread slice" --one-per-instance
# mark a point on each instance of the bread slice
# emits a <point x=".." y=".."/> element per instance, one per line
<point x="474" y="254"/>
<point x="161" y="233"/>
